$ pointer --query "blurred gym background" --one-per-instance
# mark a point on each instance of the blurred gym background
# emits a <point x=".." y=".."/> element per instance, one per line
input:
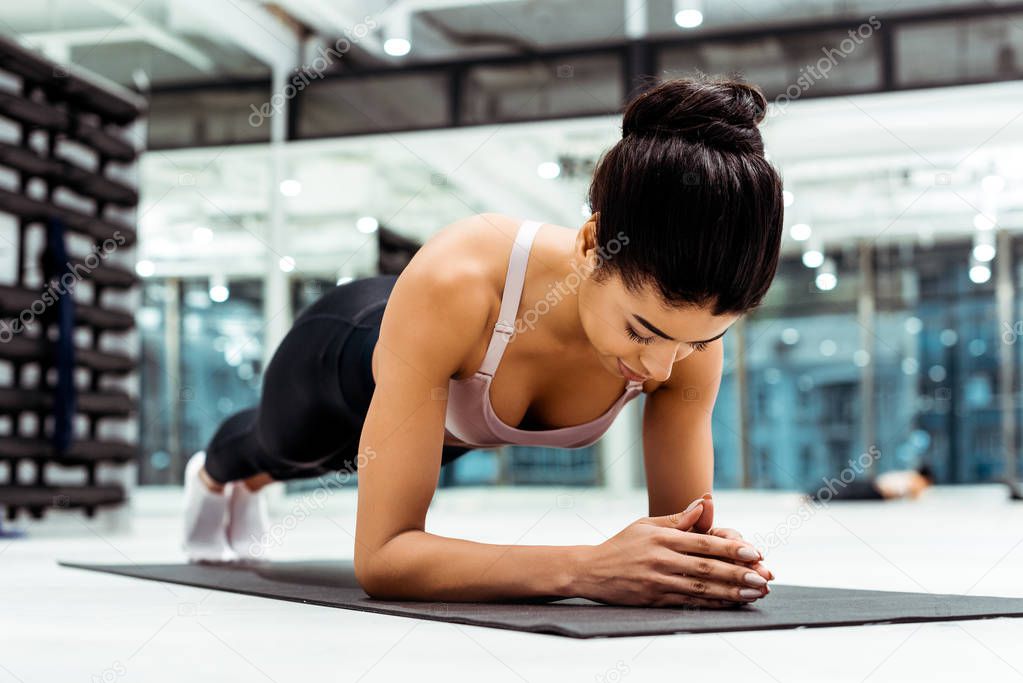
<point x="281" y="147"/>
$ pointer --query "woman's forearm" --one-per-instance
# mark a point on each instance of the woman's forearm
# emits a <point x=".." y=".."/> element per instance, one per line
<point x="417" y="565"/>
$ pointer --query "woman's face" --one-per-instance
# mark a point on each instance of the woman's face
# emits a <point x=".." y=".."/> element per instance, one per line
<point x="639" y="331"/>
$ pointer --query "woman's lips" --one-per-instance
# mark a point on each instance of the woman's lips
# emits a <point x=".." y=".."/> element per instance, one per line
<point x="629" y="374"/>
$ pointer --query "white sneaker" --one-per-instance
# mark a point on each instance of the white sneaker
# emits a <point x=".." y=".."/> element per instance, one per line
<point x="248" y="522"/>
<point x="206" y="517"/>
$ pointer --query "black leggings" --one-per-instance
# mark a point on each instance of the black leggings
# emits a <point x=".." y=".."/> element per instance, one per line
<point x="316" y="391"/>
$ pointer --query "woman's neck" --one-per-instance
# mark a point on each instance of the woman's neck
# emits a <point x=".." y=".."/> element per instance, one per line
<point x="551" y="301"/>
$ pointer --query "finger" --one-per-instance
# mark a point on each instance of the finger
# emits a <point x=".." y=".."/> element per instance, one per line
<point x="759" y="568"/>
<point x="763" y="571"/>
<point x="756" y="566"/>
<point x="725" y="532"/>
<point x="712" y="546"/>
<point x="716" y="570"/>
<point x="682" y="521"/>
<point x="706" y="521"/>
<point x="704" y="588"/>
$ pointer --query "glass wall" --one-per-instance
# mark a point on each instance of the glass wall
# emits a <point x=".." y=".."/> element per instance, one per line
<point x="726" y="418"/>
<point x="956" y="410"/>
<point x="803" y="370"/>
<point x="931" y="350"/>
<point x="203" y="363"/>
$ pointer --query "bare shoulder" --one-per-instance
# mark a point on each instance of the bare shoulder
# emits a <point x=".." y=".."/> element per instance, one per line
<point x="445" y="297"/>
<point x="466" y="259"/>
<point x="479" y="242"/>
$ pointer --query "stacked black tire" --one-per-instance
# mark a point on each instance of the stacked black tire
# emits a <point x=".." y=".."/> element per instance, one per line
<point x="69" y="145"/>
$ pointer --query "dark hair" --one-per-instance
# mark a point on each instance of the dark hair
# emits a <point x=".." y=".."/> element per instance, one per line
<point x="689" y="185"/>
<point x="926" y="471"/>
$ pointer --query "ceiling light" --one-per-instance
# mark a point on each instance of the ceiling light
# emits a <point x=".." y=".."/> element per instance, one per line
<point x="549" y="170"/>
<point x="202" y="235"/>
<point x="827" y="278"/>
<point x="218" y="290"/>
<point x="812" y="258"/>
<point x="397" y="47"/>
<point x="984" y="245"/>
<point x="984" y="252"/>
<point x="366" y="225"/>
<point x="982" y="222"/>
<point x="397" y="30"/>
<point x="689" y="18"/>
<point x="800" y="232"/>
<point x="826" y="281"/>
<point x="219" y="293"/>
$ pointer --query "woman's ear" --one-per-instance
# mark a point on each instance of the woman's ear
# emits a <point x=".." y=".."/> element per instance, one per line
<point x="585" y="242"/>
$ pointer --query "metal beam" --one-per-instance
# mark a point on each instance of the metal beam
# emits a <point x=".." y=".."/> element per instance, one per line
<point x="867" y="319"/>
<point x="155" y="34"/>
<point x="333" y="20"/>
<point x="1005" y="300"/>
<point x="85" y="36"/>
<point x="248" y="26"/>
<point x="428" y="5"/>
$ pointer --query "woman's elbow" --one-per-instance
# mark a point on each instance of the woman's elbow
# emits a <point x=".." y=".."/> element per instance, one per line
<point x="367" y="576"/>
<point x="374" y="575"/>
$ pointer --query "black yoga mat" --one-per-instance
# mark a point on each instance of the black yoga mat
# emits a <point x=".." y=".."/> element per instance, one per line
<point x="332" y="583"/>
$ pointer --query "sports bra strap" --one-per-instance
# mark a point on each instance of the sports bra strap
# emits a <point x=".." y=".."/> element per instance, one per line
<point x="513" y="282"/>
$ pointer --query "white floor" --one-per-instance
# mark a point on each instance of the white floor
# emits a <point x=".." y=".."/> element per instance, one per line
<point x="59" y="624"/>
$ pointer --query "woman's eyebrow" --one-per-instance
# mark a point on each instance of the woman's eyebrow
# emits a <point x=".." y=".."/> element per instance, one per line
<point x="646" y="323"/>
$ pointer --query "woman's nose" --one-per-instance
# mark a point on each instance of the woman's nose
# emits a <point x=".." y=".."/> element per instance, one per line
<point x="659" y="361"/>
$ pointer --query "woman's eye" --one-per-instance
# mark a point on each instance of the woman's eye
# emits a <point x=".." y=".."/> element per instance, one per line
<point x="635" y="337"/>
<point x="699" y="346"/>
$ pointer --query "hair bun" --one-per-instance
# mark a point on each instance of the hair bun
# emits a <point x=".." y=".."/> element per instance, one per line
<point x="718" y="112"/>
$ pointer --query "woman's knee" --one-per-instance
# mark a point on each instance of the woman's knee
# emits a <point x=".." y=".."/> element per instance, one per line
<point x="307" y="442"/>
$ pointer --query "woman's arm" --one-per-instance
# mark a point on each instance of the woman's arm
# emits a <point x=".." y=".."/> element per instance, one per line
<point x="436" y="314"/>
<point x="678" y="449"/>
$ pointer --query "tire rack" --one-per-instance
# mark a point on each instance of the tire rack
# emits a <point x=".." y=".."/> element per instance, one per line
<point x="51" y="103"/>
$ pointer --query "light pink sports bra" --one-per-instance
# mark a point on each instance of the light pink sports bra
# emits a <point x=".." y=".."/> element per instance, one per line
<point x="470" y="419"/>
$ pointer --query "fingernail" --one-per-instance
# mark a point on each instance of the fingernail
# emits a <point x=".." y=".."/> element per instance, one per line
<point x="707" y="496"/>
<point x="692" y="506"/>
<point x="750" y="593"/>
<point x="755" y="579"/>
<point x="747" y="553"/>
